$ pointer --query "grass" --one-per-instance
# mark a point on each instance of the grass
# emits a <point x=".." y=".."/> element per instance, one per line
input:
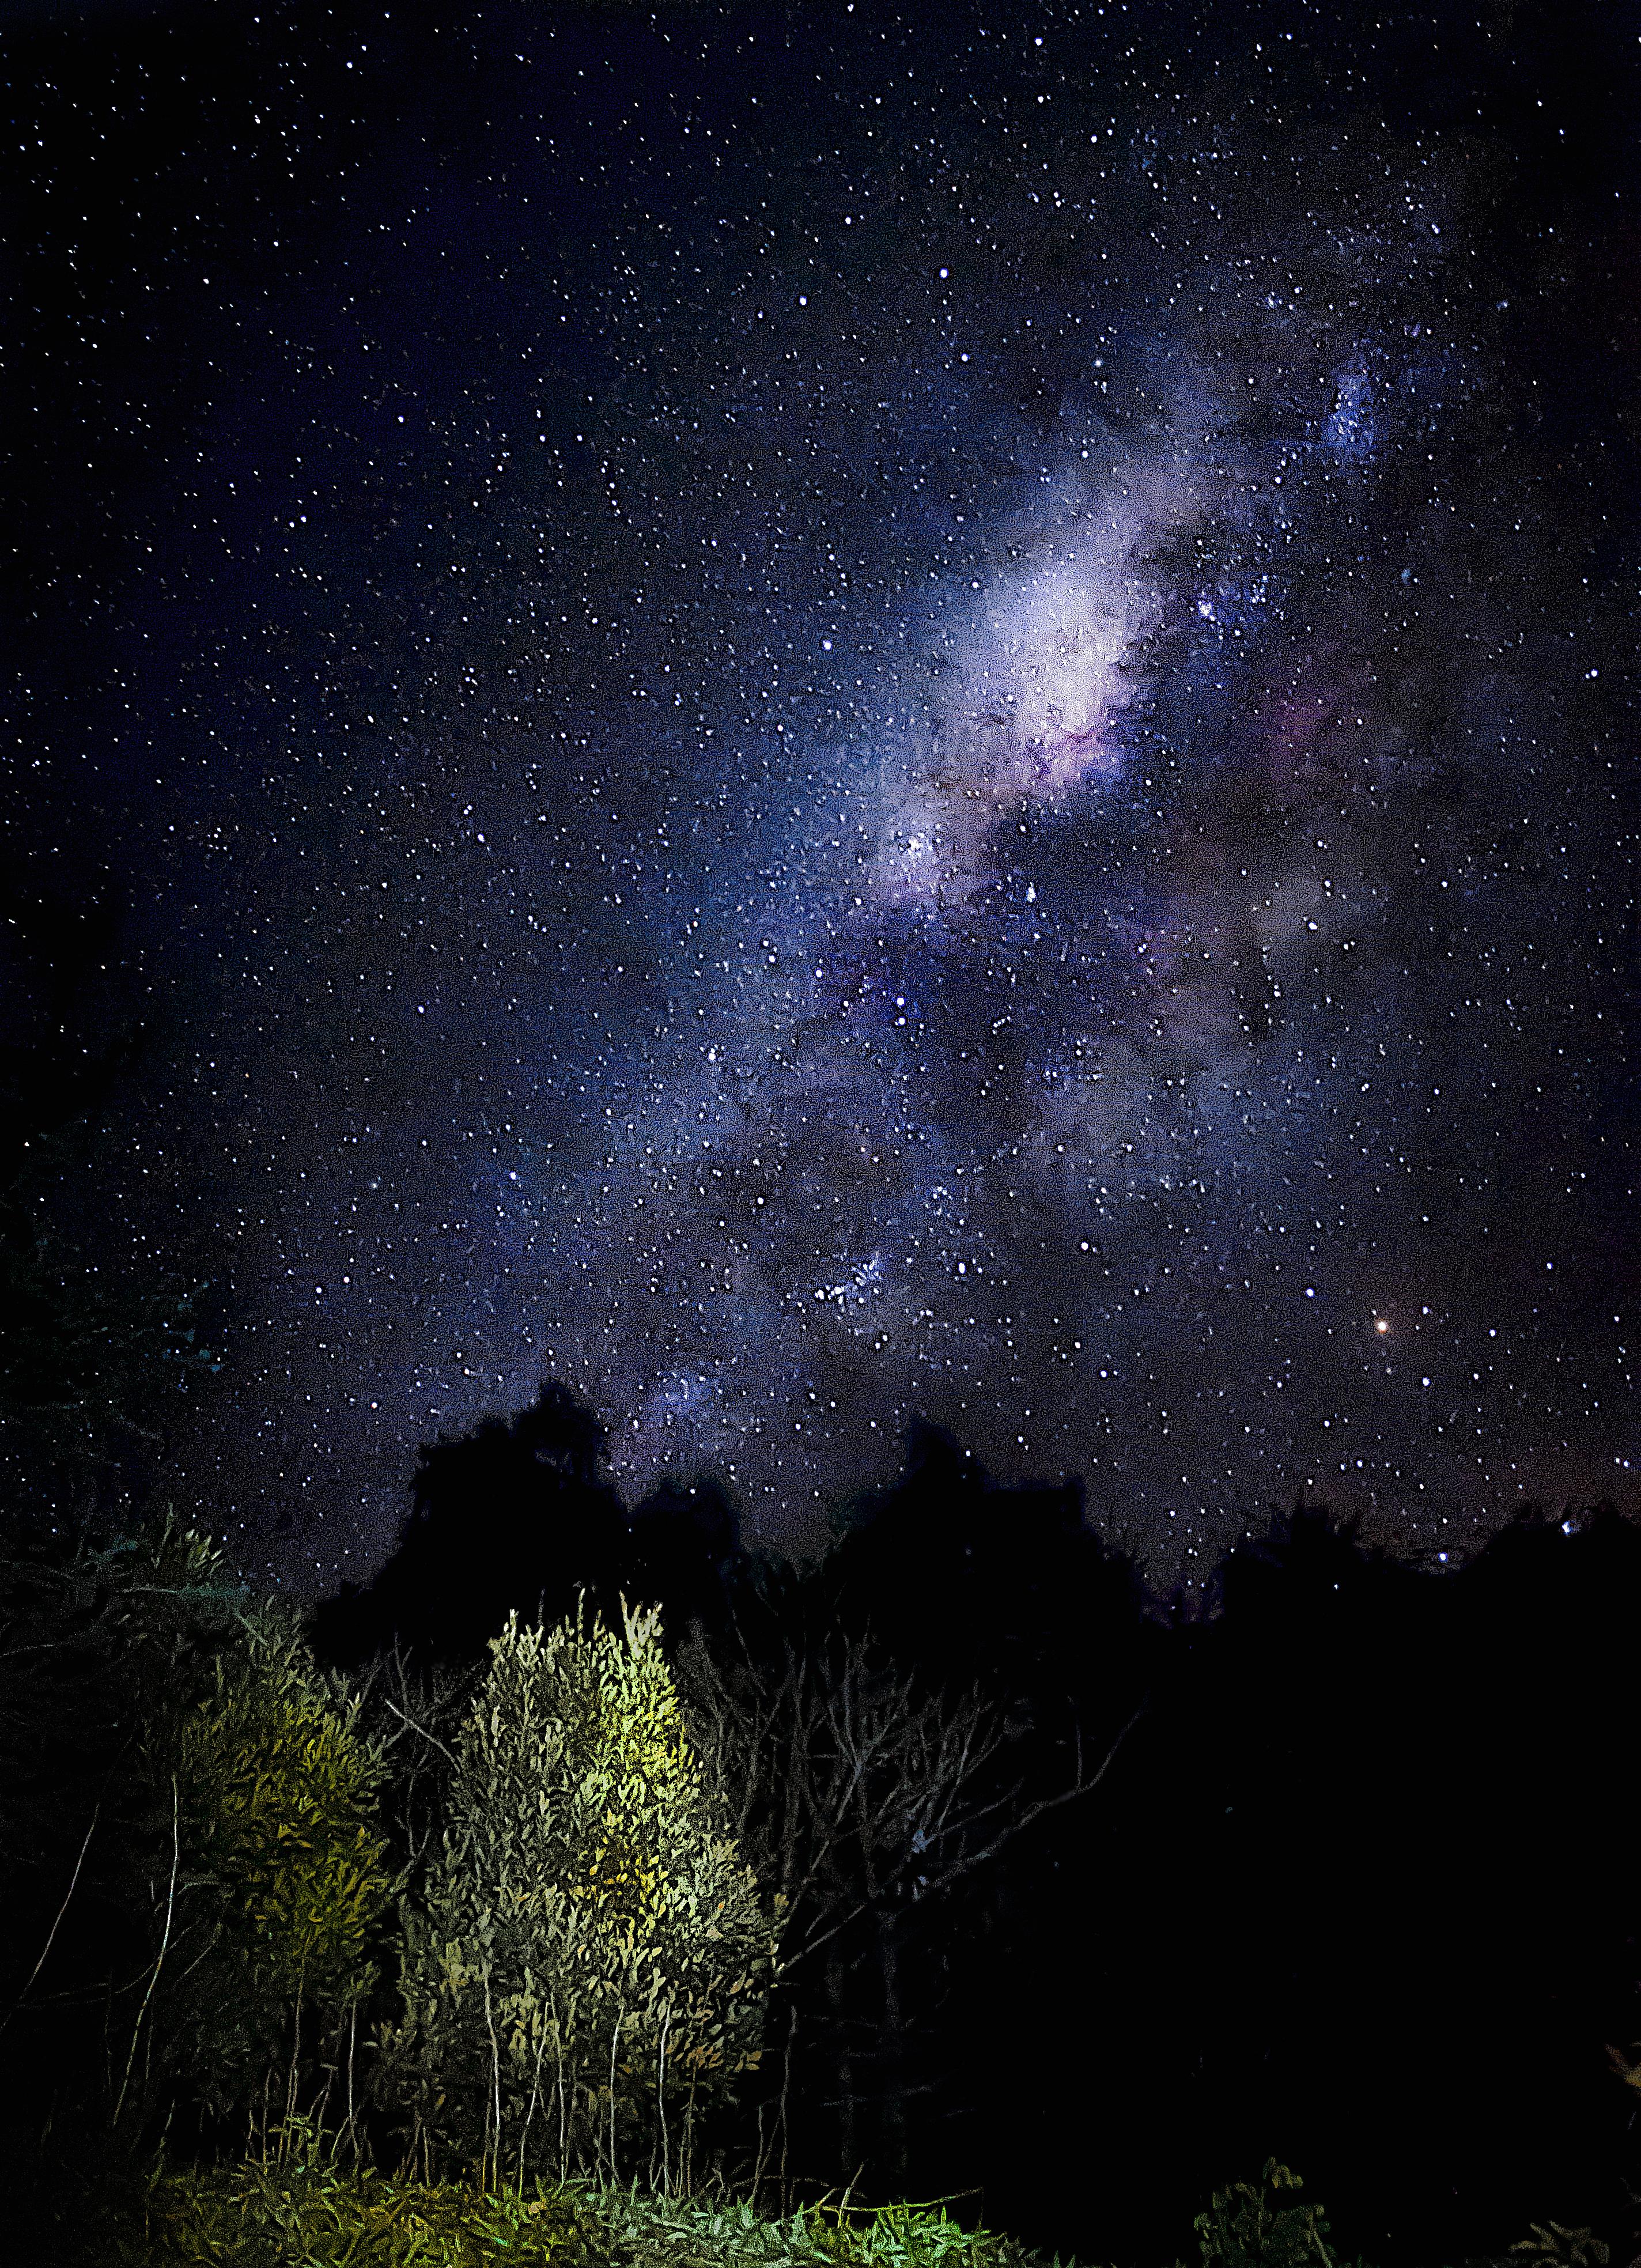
<point x="311" y="2213"/>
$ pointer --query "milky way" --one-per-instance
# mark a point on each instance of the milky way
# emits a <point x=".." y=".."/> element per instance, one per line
<point x="810" y="720"/>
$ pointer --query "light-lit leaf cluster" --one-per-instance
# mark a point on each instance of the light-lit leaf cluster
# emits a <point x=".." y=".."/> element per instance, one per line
<point x="588" y="1968"/>
<point x="288" y="1874"/>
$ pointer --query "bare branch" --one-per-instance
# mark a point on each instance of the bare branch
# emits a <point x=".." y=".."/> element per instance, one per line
<point x="51" y="1936"/>
<point x="840" y="1782"/>
<point x="1034" y="1810"/>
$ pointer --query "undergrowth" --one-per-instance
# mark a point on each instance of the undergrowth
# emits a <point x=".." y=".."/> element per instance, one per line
<point x="309" y="2211"/>
<point x="313" y="2214"/>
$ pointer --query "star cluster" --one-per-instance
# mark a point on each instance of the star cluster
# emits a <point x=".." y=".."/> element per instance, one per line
<point x="820" y="716"/>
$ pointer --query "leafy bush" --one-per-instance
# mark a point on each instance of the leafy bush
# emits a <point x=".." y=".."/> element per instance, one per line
<point x="104" y="1649"/>
<point x="1547" y="2244"/>
<point x="288" y="1877"/>
<point x="1246" y="2227"/>
<point x="590" y="1965"/>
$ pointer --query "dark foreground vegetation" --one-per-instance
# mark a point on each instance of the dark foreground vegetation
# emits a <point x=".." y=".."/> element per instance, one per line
<point x="588" y="1872"/>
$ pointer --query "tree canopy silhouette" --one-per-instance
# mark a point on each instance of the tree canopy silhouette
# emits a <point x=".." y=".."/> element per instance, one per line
<point x="519" y="1515"/>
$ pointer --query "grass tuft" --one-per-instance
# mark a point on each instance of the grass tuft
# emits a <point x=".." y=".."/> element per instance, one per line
<point x="309" y="2214"/>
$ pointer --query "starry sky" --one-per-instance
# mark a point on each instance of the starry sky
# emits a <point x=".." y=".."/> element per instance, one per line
<point x="812" y="714"/>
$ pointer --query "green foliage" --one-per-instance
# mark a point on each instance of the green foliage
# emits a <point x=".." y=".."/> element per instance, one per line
<point x="286" y="1796"/>
<point x="312" y="2211"/>
<point x="288" y="1878"/>
<point x="102" y="1651"/>
<point x="99" y="1647"/>
<point x="309" y="2213"/>
<point x="1549" y="2245"/>
<point x="590" y="1965"/>
<point x="1246" y="2227"/>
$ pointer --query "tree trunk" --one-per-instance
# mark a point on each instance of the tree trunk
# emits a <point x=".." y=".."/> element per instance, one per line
<point x="837" y="1978"/>
<point x="890" y="2152"/>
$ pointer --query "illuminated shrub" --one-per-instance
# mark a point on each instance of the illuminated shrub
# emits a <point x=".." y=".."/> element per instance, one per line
<point x="285" y="1877"/>
<point x="588" y="1968"/>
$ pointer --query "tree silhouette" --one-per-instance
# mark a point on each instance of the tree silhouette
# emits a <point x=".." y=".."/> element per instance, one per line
<point x="520" y="1516"/>
<point x="685" y="1554"/>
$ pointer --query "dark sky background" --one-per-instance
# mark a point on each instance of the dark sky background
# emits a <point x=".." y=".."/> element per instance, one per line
<point x="814" y="713"/>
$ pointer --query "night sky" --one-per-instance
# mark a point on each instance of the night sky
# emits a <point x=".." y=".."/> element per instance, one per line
<point x="811" y="714"/>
